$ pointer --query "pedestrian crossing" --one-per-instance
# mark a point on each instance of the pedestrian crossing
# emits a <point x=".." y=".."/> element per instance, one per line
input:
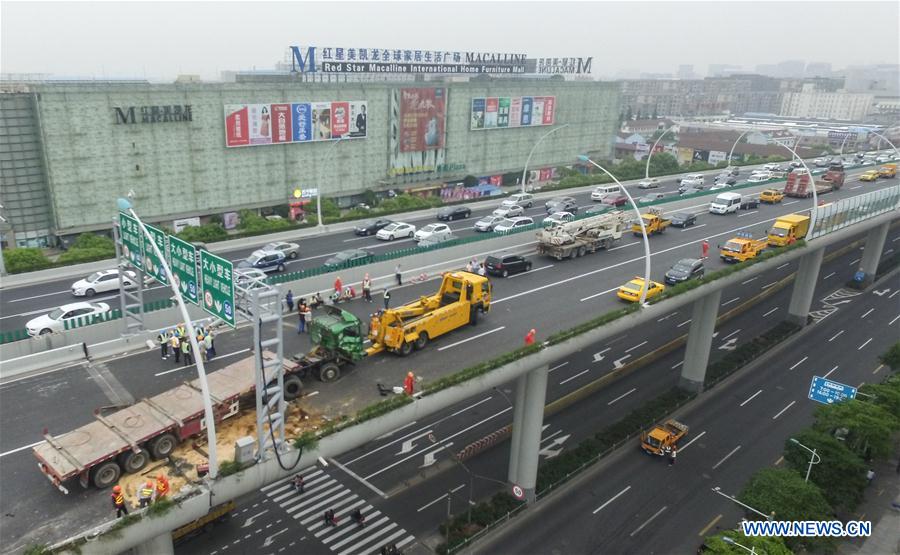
<point x="322" y="493"/>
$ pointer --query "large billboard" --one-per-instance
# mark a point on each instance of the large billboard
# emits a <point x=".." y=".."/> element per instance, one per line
<point x="266" y="124"/>
<point x="417" y="130"/>
<point x="520" y="111"/>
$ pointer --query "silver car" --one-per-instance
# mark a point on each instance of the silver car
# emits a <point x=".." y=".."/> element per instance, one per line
<point x="487" y="223"/>
<point x="289" y="250"/>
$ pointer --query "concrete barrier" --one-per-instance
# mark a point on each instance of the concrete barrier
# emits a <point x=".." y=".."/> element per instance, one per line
<point x="10" y="368"/>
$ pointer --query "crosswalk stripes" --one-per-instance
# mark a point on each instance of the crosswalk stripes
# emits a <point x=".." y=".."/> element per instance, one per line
<point x="321" y="493"/>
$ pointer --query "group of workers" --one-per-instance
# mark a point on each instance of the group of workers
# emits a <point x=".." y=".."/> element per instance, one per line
<point x="475" y="267"/>
<point x="148" y="494"/>
<point x="178" y="341"/>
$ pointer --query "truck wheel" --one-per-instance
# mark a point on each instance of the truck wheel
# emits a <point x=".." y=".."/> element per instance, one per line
<point x="581" y="252"/>
<point x="105" y="474"/>
<point x="329" y="372"/>
<point x="421" y="341"/>
<point x="405" y="348"/>
<point x="132" y="462"/>
<point x="163" y="446"/>
<point x="573" y="254"/>
<point x="473" y="316"/>
<point x="293" y="387"/>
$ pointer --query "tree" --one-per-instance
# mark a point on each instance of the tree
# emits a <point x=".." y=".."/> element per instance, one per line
<point x="24" y="260"/>
<point x="840" y="474"/>
<point x="715" y="545"/>
<point x="865" y="427"/>
<point x="663" y="163"/>
<point x="470" y="181"/>
<point x="886" y="394"/>
<point x="892" y="356"/>
<point x="93" y="241"/>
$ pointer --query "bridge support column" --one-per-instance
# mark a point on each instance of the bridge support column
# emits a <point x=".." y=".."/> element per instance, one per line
<point x="872" y="252"/>
<point x="700" y="336"/>
<point x="805" y="287"/>
<point x="160" y="545"/>
<point x="516" y="439"/>
<point x="532" y="419"/>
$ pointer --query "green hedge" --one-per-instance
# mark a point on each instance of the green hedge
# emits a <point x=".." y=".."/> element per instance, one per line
<point x="20" y="260"/>
<point x="483" y="514"/>
<point x="745" y="353"/>
<point x="891" y="357"/>
<point x="206" y="233"/>
<point x="77" y="256"/>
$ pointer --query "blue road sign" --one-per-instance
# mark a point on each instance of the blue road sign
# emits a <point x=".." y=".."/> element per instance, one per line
<point x="828" y="392"/>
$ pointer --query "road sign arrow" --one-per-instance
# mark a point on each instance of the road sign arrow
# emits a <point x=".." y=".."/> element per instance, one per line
<point x="599" y="356"/>
<point x="882" y="292"/>
<point x="729" y="345"/>
<point x="428" y="461"/>
<point x="408" y="446"/>
<point x="715" y="334"/>
<point x="271" y="539"/>
<point x="618" y="362"/>
<point x="549" y="453"/>
<point x="839" y="302"/>
<point x="250" y="520"/>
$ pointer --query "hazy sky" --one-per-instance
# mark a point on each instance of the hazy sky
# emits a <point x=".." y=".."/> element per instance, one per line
<point x="160" y="40"/>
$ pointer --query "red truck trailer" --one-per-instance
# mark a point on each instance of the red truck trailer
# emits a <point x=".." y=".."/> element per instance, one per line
<point x="126" y="440"/>
<point x="798" y="182"/>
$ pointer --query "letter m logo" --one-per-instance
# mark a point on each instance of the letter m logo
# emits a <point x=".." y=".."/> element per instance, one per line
<point x="126" y="116"/>
<point x="302" y="64"/>
<point x="584" y="65"/>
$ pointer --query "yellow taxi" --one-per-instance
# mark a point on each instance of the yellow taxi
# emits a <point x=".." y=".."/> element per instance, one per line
<point x="631" y="291"/>
<point x="871" y="175"/>
<point x="771" y="196"/>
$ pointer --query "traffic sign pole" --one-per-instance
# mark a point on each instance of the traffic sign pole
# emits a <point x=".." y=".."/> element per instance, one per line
<point x="217" y="286"/>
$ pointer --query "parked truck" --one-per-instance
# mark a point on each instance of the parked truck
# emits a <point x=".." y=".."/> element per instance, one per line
<point x="888" y="171"/>
<point x="463" y="296"/>
<point x="653" y="222"/>
<point x="798" y="182"/>
<point x="742" y="248"/>
<point x="586" y="235"/>
<point x="788" y="229"/>
<point x="663" y="437"/>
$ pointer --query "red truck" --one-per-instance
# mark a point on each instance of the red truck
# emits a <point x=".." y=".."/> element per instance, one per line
<point x="798" y="182"/>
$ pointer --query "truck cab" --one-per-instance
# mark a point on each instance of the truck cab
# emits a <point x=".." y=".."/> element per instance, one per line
<point x="788" y="229"/>
<point x="663" y="437"/>
<point x="742" y="248"/>
<point x="653" y="223"/>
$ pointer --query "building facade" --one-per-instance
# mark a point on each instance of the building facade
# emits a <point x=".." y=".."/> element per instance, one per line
<point x="79" y="146"/>
<point x="839" y="105"/>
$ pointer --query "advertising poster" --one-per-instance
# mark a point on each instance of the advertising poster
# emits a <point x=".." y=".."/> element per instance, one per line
<point x="321" y="121"/>
<point x="515" y="112"/>
<point x="496" y="180"/>
<point x="477" y="113"/>
<point x="549" y="103"/>
<point x="545" y="174"/>
<point x="281" y="123"/>
<point x="527" y="103"/>
<point x="490" y="113"/>
<point x="421" y="119"/>
<point x="537" y="111"/>
<point x="503" y="112"/>
<point x="716" y="156"/>
<point x="340" y="119"/>
<point x="260" y="124"/>
<point x="358" y="119"/>
<point x="237" y="127"/>
<point x="301" y="122"/>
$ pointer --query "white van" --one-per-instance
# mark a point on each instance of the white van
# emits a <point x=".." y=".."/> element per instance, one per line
<point x="525" y="200"/>
<point x="726" y="203"/>
<point x="601" y="191"/>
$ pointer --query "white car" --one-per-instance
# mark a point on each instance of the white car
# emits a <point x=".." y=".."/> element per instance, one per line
<point x="289" y="250"/>
<point x="695" y="180"/>
<point x="509" y="211"/>
<point x="652" y="197"/>
<point x="249" y="278"/>
<point x="433" y="232"/>
<point x="396" y="230"/>
<point x="102" y="282"/>
<point x="758" y="178"/>
<point x="510" y="224"/>
<point x="558" y="218"/>
<point x="719" y="186"/>
<point x="771" y="167"/>
<point x="56" y="320"/>
<point x="651" y="183"/>
<point x="487" y="223"/>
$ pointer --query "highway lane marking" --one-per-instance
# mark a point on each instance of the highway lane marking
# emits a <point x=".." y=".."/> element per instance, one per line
<point x="853" y="262"/>
<point x="857" y="187"/>
<point x="583" y="372"/>
<point x="558" y="366"/>
<point x="217" y="357"/>
<point x="598" y="294"/>
<point x="445" y="347"/>
<point x="747" y="214"/>
<point x="766" y="286"/>
<point x="358" y="478"/>
<point x="667" y="316"/>
<point x="860" y="348"/>
<point x="894" y="294"/>
<point x="439" y="499"/>
<point x="86" y="298"/>
<point x="780" y="460"/>
<point x="692" y="227"/>
<point x="641" y="527"/>
<point x="830" y="371"/>
<point x="532" y="271"/>
<point x="877" y="370"/>
<point x="791" y="404"/>
<point x="394" y="431"/>
<point x="725" y="458"/>
<point x="770" y="312"/>
<point x="622" y="396"/>
<point x="802" y="360"/>
<point x="611" y="499"/>
<point x="686" y="445"/>
<point x="641" y="344"/>
<point x="750" y="398"/>
<point x="783" y="265"/>
<point x="867" y="313"/>
<point x="731" y="301"/>
<point x="710" y="525"/>
<point x="677" y="365"/>
<point x="891" y="323"/>
<point x="792" y="202"/>
<point x="835" y="336"/>
<point x="686" y="322"/>
<point x="887" y="252"/>
<point x="10" y="452"/>
<point x="829" y="275"/>
<point x="754" y="278"/>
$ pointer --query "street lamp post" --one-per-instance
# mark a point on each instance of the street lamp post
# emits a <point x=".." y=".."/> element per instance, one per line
<point x="718" y="490"/>
<point x="124" y="205"/>
<point x="653" y="149"/>
<point x="813" y="459"/>
<point x="640" y="220"/>
<point x="729" y="540"/>
<point x="321" y="180"/>
<point x="880" y="136"/>
<point x="528" y="160"/>
<point x="812" y="186"/>
<point x="736" y="141"/>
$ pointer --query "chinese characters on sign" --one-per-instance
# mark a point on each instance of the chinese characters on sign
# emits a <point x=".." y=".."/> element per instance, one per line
<point x="153" y="114"/>
<point x="217" y="286"/>
<point x="130" y="233"/>
<point x="183" y="262"/>
<point x="152" y="264"/>
<point x="564" y="65"/>
<point x="310" y="59"/>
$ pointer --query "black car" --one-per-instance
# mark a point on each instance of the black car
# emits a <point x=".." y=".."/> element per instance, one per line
<point x="726" y="179"/>
<point x="561" y="204"/>
<point x="685" y="269"/>
<point x="371" y="227"/>
<point x="342" y="258"/>
<point x="683" y="219"/>
<point x="504" y="264"/>
<point x="449" y="213"/>
<point x="748" y="203"/>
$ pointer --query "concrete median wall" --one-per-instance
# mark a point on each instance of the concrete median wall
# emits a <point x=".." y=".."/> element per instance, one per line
<point x="46" y="359"/>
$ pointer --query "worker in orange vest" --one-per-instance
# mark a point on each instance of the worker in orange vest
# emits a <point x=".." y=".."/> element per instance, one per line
<point x="146" y="494"/>
<point x="529" y="337"/>
<point x="409" y="383"/>
<point x="118" y="501"/>
<point x="162" y="486"/>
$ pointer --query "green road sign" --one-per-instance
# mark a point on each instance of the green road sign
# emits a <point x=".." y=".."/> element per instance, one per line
<point x="152" y="265"/>
<point x="130" y="233"/>
<point x="217" y="286"/>
<point x="183" y="261"/>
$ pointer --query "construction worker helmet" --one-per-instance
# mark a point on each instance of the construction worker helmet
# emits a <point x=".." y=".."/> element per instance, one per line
<point x="117" y="489"/>
<point x="149" y="484"/>
<point x="160" y="477"/>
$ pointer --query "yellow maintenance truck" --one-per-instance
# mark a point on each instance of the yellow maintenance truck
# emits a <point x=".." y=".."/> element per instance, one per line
<point x="788" y="230"/>
<point x="888" y="171"/>
<point x="463" y="296"/>
<point x="742" y="248"/>
<point x="653" y="222"/>
<point x="663" y="437"/>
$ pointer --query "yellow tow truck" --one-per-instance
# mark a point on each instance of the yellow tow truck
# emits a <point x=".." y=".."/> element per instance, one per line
<point x="871" y="175"/>
<point x="771" y="196"/>
<point x="653" y="222"/>
<point x="888" y="171"/>
<point x="742" y="248"/>
<point x="463" y="296"/>
<point x="663" y="437"/>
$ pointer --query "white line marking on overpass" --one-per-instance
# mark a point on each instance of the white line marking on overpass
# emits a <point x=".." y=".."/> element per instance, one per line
<point x="802" y="360"/>
<point x="622" y="396"/>
<point x="892" y="295"/>
<point x="735" y="332"/>
<point x="359" y="479"/>
<point x="569" y="379"/>
<point x="686" y="322"/>
<point x="791" y="404"/>
<point x="754" y="278"/>
<point x="685" y="446"/>
<point x="860" y="348"/>
<point x="829" y="275"/>
<point x="887" y="252"/>
<point x="598" y="294"/>
<point x="731" y="301"/>
<point x="611" y="499"/>
<point x="217" y="357"/>
<point x="857" y="187"/>
<point x="10" y="452"/>
<point x="770" y="312"/>
<point x="445" y="347"/>
<point x="835" y="336"/>
<point x="789" y="203"/>
<point x="693" y="227"/>
<point x="853" y="262"/>
<point x="439" y="499"/>
<point x="891" y="323"/>
<point x="750" y="398"/>
<point x="747" y="214"/>
<point x="783" y="265"/>
<point x="533" y="270"/>
<point x="766" y="286"/>
<point x="641" y="344"/>
<point x="725" y="458"/>
<point x="830" y="371"/>
<point x="641" y="527"/>
<point x="870" y="311"/>
<point x="557" y="367"/>
<point x="677" y="365"/>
